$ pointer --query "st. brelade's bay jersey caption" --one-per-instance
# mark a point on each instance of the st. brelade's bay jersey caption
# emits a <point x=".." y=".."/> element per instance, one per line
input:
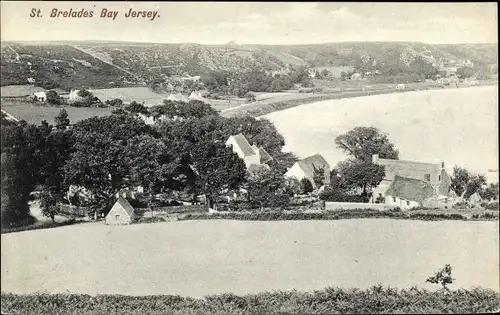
<point x="103" y="13"/>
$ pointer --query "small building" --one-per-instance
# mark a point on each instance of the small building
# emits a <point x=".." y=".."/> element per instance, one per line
<point x="73" y="96"/>
<point x="196" y="96"/>
<point x="178" y="97"/>
<point x="356" y="76"/>
<point x="250" y="154"/>
<point x="400" y="87"/>
<point x="305" y="169"/>
<point x="433" y="173"/>
<point x="121" y="213"/>
<point x="407" y="193"/>
<point x="40" y="96"/>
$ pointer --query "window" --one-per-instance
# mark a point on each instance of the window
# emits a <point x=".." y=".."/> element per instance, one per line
<point x="439" y="177"/>
<point x="117" y="217"/>
<point x="393" y="199"/>
<point x="427" y="177"/>
<point x="407" y="203"/>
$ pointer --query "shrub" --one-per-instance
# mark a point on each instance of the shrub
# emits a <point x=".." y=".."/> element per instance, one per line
<point x="306" y="186"/>
<point x="490" y="205"/>
<point x="442" y="277"/>
<point x="338" y="195"/>
<point x="150" y="220"/>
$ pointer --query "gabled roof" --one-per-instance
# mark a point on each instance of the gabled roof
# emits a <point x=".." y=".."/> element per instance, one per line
<point x="316" y="161"/>
<point x="124" y="203"/>
<point x="242" y="142"/>
<point x="410" y="189"/>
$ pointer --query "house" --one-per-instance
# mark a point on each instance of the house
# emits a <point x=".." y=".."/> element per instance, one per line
<point x="250" y="154"/>
<point x="433" y="173"/>
<point x="305" y="169"/>
<point x="73" y="96"/>
<point x="31" y="80"/>
<point x="407" y="193"/>
<point x="40" y="96"/>
<point x="196" y="96"/>
<point x="121" y="213"/>
<point x="356" y="76"/>
<point x="400" y="87"/>
<point x="177" y="97"/>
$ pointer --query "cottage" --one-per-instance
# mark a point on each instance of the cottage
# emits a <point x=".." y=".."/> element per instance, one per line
<point x="433" y="173"/>
<point x="40" y="96"/>
<point x="305" y="169"/>
<point x="121" y="213"/>
<point x="250" y="154"/>
<point x="356" y="76"/>
<point x="407" y="193"/>
<point x="177" y="98"/>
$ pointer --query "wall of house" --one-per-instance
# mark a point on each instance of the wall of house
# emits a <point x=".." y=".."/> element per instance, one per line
<point x="353" y="205"/>
<point x="251" y="159"/>
<point x="236" y="149"/>
<point x="444" y="185"/>
<point x="393" y="202"/>
<point x="122" y="218"/>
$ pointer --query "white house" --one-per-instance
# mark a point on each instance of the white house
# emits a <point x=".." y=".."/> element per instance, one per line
<point x="408" y="193"/>
<point x="40" y="96"/>
<point x="73" y="96"/>
<point x="121" y="213"/>
<point x="177" y="98"/>
<point x="400" y="87"/>
<point x="251" y="155"/>
<point x="305" y="169"/>
<point x="196" y="96"/>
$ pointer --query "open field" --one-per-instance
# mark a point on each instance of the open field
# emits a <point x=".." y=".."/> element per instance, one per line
<point x="36" y="114"/>
<point x="195" y="258"/>
<point x="457" y="126"/>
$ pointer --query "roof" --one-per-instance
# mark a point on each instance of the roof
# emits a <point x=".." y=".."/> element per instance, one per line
<point x="410" y="189"/>
<point x="316" y="161"/>
<point x="264" y="156"/>
<point x="125" y="205"/>
<point x="130" y="94"/>
<point x="178" y="97"/>
<point x="19" y="90"/>
<point x="242" y="142"/>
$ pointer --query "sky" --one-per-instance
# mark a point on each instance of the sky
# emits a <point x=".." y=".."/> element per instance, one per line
<point x="271" y="23"/>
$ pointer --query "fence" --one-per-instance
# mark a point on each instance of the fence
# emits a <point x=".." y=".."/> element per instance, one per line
<point x="354" y="205"/>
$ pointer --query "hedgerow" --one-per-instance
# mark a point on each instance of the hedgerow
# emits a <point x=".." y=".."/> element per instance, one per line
<point x="332" y="300"/>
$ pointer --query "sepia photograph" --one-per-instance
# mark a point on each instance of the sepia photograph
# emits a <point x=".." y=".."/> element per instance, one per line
<point x="249" y="158"/>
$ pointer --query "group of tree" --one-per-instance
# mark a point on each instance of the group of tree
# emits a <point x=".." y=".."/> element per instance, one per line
<point x="107" y="154"/>
<point x="355" y="178"/>
<point x="465" y="184"/>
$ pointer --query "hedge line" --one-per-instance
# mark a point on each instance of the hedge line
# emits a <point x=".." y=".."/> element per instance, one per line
<point x="329" y="215"/>
<point x="374" y="300"/>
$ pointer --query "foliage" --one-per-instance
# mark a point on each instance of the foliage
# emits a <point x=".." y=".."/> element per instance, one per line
<point x="114" y="102"/>
<point x="490" y="205"/>
<point x="306" y="186"/>
<point x="331" y="300"/>
<point x="318" y="176"/>
<point x="135" y="107"/>
<point x="292" y="186"/>
<point x="442" y="277"/>
<point x="339" y="195"/>
<point x="61" y="120"/>
<point x="53" y="98"/>
<point x="490" y="192"/>
<point x="266" y="188"/>
<point x="362" y="143"/>
<point x="465" y="183"/>
<point x="360" y="174"/>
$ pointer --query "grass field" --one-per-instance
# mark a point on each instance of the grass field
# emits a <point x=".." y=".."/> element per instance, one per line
<point x="36" y="114"/>
<point x="196" y="258"/>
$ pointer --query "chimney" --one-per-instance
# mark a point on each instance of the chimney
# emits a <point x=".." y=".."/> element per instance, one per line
<point x="375" y="158"/>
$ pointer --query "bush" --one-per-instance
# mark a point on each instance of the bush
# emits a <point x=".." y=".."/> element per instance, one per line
<point x="490" y="205"/>
<point x="332" y="300"/>
<point x="338" y="195"/>
<point x="306" y="186"/>
<point x="150" y="220"/>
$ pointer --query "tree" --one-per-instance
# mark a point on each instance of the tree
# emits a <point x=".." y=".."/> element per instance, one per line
<point x="306" y="186"/>
<point x="325" y="73"/>
<point x="135" y="107"/>
<point x="267" y="188"/>
<point x="318" y="176"/>
<point x="362" y="143"/>
<point x="22" y="152"/>
<point x="464" y="183"/>
<point x="490" y="192"/>
<point x="115" y="102"/>
<point x="442" y="277"/>
<point x="465" y="72"/>
<point x="362" y="175"/>
<point x="62" y="121"/>
<point x="99" y="162"/>
<point x="53" y="98"/>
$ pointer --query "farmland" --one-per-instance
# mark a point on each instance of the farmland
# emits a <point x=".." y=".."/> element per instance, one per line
<point x="247" y="257"/>
<point x="36" y="114"/>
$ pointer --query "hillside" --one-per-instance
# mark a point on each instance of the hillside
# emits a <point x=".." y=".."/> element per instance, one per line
<point x="103" y="65"/>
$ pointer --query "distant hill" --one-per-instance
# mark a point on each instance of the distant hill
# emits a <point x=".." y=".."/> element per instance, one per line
<point x="116" y="64"/>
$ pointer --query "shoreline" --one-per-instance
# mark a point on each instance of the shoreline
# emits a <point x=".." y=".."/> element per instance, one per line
<point x="261" y="109"/>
